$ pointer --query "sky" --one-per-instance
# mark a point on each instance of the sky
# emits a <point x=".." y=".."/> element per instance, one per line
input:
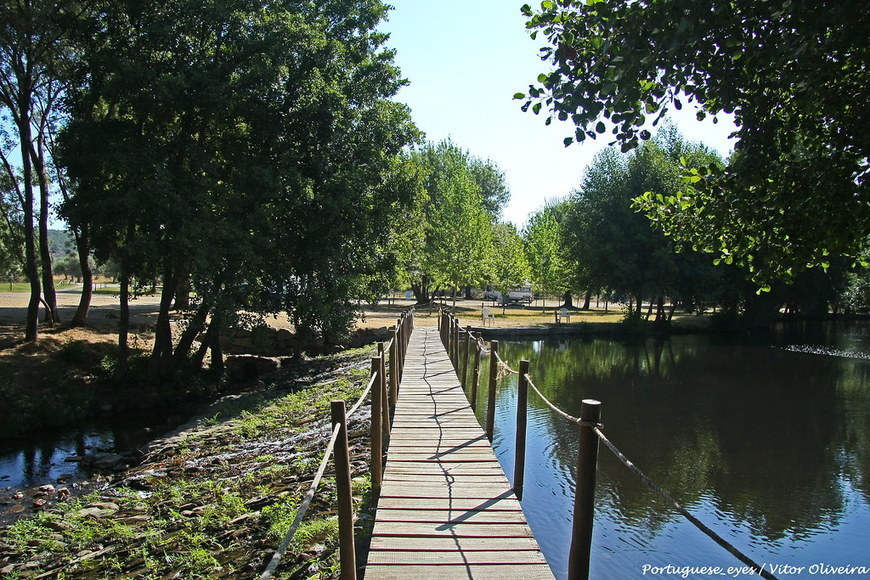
<point x="465" y="60"/>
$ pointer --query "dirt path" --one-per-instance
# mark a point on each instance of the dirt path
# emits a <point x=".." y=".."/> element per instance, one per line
<point x="103" y="314"/>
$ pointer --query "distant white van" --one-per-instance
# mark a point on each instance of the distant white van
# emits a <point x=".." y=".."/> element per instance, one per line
<point x="521" y="294"/>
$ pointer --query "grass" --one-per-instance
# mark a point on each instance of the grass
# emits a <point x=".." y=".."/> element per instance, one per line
<point x="213" y="502"/>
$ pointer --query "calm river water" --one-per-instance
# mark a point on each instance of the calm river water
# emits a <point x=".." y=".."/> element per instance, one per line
<point x="765" y="439"/>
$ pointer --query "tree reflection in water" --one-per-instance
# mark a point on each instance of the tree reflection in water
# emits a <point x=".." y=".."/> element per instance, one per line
<point x="770" y="446"/>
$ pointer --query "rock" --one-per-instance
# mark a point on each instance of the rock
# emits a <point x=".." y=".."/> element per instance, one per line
<point x="106" y="461"/>
<point x="63" y="494"/>
<point x="94" y="512"/>
<point x="104" y="505"/>
<point x="248" y="367"/>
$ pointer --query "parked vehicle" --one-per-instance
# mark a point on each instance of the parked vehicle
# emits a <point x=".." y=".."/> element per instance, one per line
<point x="521" y="294"/>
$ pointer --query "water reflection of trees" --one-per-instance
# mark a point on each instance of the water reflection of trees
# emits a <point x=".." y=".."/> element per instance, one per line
<point x="764" y="434"/>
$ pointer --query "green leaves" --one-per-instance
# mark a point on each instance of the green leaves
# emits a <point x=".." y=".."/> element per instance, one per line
<point x="801" y="144"/>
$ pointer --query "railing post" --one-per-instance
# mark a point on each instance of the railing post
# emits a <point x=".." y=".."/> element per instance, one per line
<point x="400" y="326"/>
<point x="490" y="395"/>
<point x="522" y="420"/>
<point x="456" y="343"/>
<point x="394" y="373"/>
<point x="377" y="438"/>
<point x="475" y="375"/>
<point x="347" y="550"/>
<point x="584" y="499"/>
<point x="466" y="350"/>
<point x="385" y="400"/>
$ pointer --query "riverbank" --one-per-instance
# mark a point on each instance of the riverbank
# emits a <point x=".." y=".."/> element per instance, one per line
<point x="214" y="499"/>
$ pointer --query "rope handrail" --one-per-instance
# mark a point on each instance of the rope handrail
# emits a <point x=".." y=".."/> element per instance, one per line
<point x="303" y="508"/>
<point x="312" y="490"/>
<point x="688" y="515"/>
<point x="363" y="396"/>
<point x="596" y="427"/>
<point x="559" y="411"/>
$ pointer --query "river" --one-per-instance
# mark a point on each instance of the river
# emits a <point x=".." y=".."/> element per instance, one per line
<point x="765" y="438"/>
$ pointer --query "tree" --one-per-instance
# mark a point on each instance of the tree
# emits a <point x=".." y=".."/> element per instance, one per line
<point x="793" y="74"/>
<point x="246" y="148"/>
<point x="508" y="261"/>
<point x="544" y="242"/>
<point x="617" y="248"/>
<point x="32" y="35"/>
<point x="457" y="213"/>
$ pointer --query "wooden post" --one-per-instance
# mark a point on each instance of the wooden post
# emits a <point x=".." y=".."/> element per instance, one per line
<point x="584" y="498"/>
<point x="456" y="343"/>
<point x="490" y="396"/>
<point x="385" y="400"/>
<point x="466" y="350"/>
<point x="400" y="326"/>
<point x="522" y="420"/>
<point x="394" y="373"/>
<point x="347" y="550"/>
<point x="475" y="375"/>
<point x="377" y="438"/>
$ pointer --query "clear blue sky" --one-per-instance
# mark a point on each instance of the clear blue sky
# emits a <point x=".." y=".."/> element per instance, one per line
<point x="465" y="60"/>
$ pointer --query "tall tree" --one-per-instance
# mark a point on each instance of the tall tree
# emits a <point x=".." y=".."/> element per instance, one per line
<point x="619" y="249"/>
<point x="244" y="147"/>
<point x="463" y="196"/>
<point x="546" y="252"/>
<point x="508" y="264"/>
<point x="794" y="74"/>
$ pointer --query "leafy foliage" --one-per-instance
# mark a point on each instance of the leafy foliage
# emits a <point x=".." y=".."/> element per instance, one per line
<point x="794" y="74"/>
<point x="243" y="147"/>
<point x="446" y="239"/>
<point x="550" y="262"/>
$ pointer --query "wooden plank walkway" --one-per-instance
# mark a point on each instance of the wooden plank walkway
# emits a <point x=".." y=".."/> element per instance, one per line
<point x="446" y="509"/>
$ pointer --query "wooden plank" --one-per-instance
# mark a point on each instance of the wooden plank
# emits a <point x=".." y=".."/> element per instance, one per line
<point x="413" y="544"/>
<point x="460" y="572"/>
<point x="492" y="557"/>
<point x="447" y="529"/>
<point x="455" y="504"/>
<point x="451" y="516"/>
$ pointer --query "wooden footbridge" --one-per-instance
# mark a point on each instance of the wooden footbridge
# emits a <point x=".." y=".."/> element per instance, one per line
<point x="446" y="509"/>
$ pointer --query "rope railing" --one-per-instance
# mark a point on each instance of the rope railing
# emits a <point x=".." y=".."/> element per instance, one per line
<point x="382" y="403"/>
<point x="590" y="433"/>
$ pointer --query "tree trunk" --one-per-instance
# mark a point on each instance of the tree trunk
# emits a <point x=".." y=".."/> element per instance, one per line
<point x="161" y="356"/>
<point x="567" y="300"/>
<point x="587" y="299"/>
<point x="48" y="291"/>
<point x="31" y="267"/>
<point x="182" y="295"/>
<point x="83" y="249"/>
<point x="196" y="326"/>
<point x="214" y="343"/>
<point x="671" y="311"/>
<point x="123" y="329"/>
<point x="421" y="290"/>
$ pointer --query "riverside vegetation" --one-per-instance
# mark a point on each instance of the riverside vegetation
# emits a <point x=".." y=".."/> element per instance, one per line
<point x="214" y="500"/>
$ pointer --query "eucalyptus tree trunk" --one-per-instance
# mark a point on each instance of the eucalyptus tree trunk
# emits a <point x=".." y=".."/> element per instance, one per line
<point x="49" y="294"/>
<point x="31" y="267"/>
<point x="82" y="237"/>
<point x="161" y="362"/>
